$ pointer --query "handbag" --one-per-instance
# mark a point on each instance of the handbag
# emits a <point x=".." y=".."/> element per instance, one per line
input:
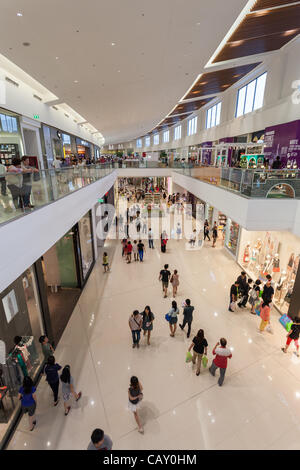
<point x="189" y="357"/>
<point x="257" y="308"/>
<point x="204" y="361"/>
<point x="233" y="306"/>
<point x="167" y="317"/>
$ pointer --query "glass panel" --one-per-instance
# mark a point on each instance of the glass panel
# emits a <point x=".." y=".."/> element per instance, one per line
<point x="218" y="116"/>
<point x="86" y="243"/>
<point x="3" y="123"/>
<point x="213" y="116"/>
<point x="60" y="275"/>
<point x="241" y="102"/>
<point x="260" y="91"/>
<point x="208" y="119"/>
<point x="250" y="97"/>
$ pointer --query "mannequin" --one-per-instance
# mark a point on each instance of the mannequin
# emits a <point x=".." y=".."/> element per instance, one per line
<point x="280" y="285"/>
<point x="246" y="257"/>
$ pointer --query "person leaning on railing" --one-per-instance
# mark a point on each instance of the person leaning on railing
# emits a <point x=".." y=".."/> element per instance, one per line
<point x="14" y="178"/>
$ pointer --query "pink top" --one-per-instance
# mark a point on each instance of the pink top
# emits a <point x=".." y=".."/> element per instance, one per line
<point x="265" y="313"/>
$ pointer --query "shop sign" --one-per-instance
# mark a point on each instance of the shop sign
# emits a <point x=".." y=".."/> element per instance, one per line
<point x="36" y="116"/>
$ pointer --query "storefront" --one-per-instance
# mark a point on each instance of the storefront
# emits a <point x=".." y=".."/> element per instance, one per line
<point x="11" y="144"/>
<point x="20" y="351"/>
<point x="274" y="253"/>
<point x="83" y="148"/>
<point x="232" y="236"/>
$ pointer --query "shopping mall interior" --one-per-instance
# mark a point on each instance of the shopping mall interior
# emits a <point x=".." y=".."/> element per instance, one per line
<point x="168" y="134"/>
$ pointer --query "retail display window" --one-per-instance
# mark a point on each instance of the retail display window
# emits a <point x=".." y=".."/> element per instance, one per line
<point x="274" y="253"/>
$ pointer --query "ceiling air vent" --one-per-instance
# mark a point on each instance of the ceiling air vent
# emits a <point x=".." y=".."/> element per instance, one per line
<point x="12" y="82"/>
<point x="54" y="107"/>
<point x="37" y="97"/>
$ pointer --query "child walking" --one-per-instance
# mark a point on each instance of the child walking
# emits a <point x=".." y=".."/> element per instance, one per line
<point x="105" y="262"/>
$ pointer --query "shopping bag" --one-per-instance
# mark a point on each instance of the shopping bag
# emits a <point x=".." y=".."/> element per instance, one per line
<point x="167" y="317"/>
<point x="204" y="361"/>
<point x="286" y="322"/>
<point x="269" y="329"/>
<point x="257" y="308"/>
<point x="233" y="306"/>
<point x="189" y="357"/>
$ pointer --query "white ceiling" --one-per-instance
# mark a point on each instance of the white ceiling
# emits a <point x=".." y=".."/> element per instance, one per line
<point x="126" y="89"/>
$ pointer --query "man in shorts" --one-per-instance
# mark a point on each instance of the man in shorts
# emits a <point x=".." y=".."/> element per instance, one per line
<point x="164" y="276"/>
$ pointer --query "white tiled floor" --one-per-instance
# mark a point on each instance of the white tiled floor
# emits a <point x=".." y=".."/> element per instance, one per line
<point x="257" y="408"/>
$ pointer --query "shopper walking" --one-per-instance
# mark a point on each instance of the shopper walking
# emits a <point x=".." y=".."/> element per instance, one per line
<point x="105" y="262"/>
<point x="245" y="297"/>
<point x="51" y="370"/>
<point x="135" y="325"/>
<point x="214" y="234"/>
<point x="187" y="316"/>
<point x="150" y="238"/>
<point x="128" y="251"/>
<point x="206" y="232"/>
<point x="135" y="251"/>
<point x="222" y="354"/>
<point x="233" y="296"/>
<point x="242" y="283"/>
<point x="135" y="395"/>
<point x="254" y="296"/>
<point x="268" y="290"/>
<point x="28" y="400"/>
<point x="141" y="250"/>
<point x="199" y="345"/>
<point x="148" y="318"/>
<point x="163" y="241"/>
<point x="46" y="347"/>
<point x="175" y="282"/>
<point x="164" y="276"/>
<point x="173" y="314"/>
<point x="265" y="314"/>
<point x="293" y="335"/>
<point x="3" y="180"/>
<point x="68" y="388"/>
<point x="100" y="441"/>
<point x="178" y="231"/>
<point x="124" y="244"/>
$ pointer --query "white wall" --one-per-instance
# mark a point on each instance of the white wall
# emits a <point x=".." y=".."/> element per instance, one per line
<point x="20" y="100"/>
<point x="283" y="68"/>
<point x="28" y="237"/>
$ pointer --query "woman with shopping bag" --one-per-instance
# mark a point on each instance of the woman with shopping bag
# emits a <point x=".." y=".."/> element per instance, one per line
<point x="199" y="345"/>
<point x="172" y="316"/>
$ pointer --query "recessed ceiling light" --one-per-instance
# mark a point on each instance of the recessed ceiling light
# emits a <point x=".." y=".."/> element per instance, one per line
<point x="56" y="58"/>
<point x="75" y="81"/>
<point x="19" y="14"/>
<point x="113" y="43"/>
<point x="119" y="71"/>
<point x="198" y="24"/>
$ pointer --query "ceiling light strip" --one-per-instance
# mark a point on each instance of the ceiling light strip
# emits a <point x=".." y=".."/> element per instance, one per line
<point x="237" y="22"/>
<point x="286" y="5"/>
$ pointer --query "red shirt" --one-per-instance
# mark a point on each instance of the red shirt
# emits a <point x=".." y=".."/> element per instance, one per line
<point x="222" y="354"/>
<point x="129" y="248"/>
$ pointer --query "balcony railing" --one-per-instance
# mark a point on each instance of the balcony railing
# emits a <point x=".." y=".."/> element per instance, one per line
<point x="21" y="191"/>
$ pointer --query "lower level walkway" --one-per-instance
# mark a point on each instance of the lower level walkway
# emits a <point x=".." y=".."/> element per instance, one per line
<point x="258" y="406"/>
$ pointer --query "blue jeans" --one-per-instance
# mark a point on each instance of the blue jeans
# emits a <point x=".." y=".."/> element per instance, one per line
<point x="136" y="334"/>
<point x="141" y="254"/>
<point x="150" y="243"/>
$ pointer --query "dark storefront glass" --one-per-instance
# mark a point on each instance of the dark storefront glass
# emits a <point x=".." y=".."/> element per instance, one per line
<point x="62" y="284"/>
<point x="20" y="316"/>
<point x="86" y="244"/>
